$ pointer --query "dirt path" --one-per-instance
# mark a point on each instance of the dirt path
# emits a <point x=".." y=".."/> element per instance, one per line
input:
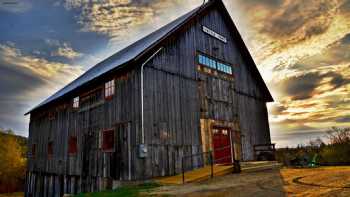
<point x="328" y="181"/>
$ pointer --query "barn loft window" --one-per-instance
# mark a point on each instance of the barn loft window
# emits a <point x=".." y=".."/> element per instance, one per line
<point x="225" y="68"/>
<point x="109" y="89"/>
<point x="72" y="145"/>
<point x="50" y="149"/>
<point x="108" y="140"/>
<point x="214" y="64"/>
<point x="76" y="102"/>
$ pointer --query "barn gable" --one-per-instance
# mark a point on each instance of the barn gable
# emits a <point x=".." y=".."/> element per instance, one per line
<point x="185" y="89"/>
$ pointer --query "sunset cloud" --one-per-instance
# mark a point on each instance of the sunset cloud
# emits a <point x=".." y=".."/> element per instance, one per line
<point x="44" y="69"/>
<point x="26" y="80"/>
<point x="302" y="50"/>
<point x="123" y="19"/>
<point x="66" y="51"/>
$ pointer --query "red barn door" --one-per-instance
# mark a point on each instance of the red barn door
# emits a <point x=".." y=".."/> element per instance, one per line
<point x="222" y="145"/>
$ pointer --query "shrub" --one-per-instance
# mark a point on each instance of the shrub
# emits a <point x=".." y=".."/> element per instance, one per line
<point x="336" y="151"/>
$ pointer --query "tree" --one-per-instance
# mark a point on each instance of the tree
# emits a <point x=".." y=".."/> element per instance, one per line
<point x="338" y="135"/>
<point x="12" y="162"/>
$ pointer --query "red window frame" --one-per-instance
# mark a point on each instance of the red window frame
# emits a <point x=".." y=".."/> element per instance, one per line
<point x="50" y="148"/>
<point x="108" y="140"/>
<point x="72" y="145"/>
<point x="109" y="89"/>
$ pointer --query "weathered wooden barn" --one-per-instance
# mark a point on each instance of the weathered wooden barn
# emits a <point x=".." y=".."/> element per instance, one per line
<point x="187" y="88"/>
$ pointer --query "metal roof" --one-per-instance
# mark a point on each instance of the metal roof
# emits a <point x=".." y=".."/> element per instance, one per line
<point x="139" y="48"/>
<point x="120" y="58"/>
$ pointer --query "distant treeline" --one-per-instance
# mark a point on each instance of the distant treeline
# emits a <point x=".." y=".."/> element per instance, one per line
<point x="336" y="152"/>
<point x="12" y="161"/>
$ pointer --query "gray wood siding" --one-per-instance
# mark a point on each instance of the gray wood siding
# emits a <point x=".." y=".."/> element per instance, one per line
<point x="124" y="108"/>
<point x="176" y="97"/>
<point x="239" y="100"/>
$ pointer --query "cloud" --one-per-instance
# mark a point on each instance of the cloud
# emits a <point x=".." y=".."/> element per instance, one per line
<point x="345" y="7"/>
<point x="300" y="87"/>
<point x="63" y="49"/>
<point x="335" y="54"/>
<point x="41" y="67"/>
<point x="66" y="51"/>
<point x="298" y="20"/>
<point x="52" y="42"/>
<point x="343" y="119"/>
<point x="280" y="33"/>
<point x="26" y="80"/>
<point x="302" y="50"/>
<point x="276" y="109"/>
<point x="15" y="6"/>
<point x="124" y="19"/>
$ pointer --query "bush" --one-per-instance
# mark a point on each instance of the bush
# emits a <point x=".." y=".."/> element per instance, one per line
<point x="336" y="151"/>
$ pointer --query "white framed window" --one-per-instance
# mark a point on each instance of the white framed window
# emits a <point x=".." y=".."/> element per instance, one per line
<point x="76" y="102"/>
<point x="109" y="89"/>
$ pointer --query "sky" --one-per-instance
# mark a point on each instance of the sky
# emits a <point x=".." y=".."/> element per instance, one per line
<point x="301" y="48"/>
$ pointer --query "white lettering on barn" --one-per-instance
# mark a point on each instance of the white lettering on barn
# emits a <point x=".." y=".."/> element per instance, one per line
<point x="214" y="34"/>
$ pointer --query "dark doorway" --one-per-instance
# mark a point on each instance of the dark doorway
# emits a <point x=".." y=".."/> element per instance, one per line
<point x="121" y="156"/>
<point x="88" y="141"/>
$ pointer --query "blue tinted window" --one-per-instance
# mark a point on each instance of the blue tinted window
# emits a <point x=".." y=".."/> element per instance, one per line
<point x="211" y="63"/>
<point x="200" y="59"/>
<point x="229" y="70"/>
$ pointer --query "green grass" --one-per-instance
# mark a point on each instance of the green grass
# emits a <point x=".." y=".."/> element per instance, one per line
<point x="16" y="194"/>
<point x="129" y="191"/>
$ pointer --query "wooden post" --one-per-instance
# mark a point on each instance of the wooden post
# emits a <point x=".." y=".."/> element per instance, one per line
<point x="211" y="164"/>
<point x="183" y="170"/>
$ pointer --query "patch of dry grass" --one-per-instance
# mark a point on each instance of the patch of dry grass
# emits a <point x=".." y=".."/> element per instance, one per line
<point x="16" y="194"/>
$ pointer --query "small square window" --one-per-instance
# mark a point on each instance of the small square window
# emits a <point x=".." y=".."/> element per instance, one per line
<point x="207" y="61"/>
<point x="200" y="59"/>
<point x="213" y="64"/>
<point x="108" y="140"/>
<point x="72" y="145"/>
<point x="229" y="70"/>
<point x="109" y="89"/>
<point x="76" y="102"/>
